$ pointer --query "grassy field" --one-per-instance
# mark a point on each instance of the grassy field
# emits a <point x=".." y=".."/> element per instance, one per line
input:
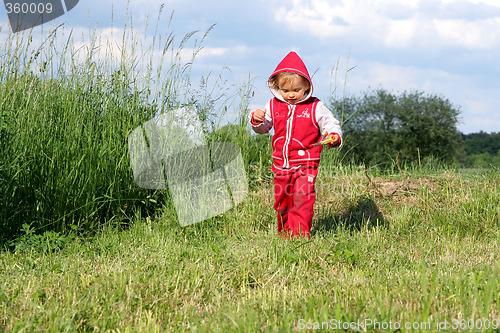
<point x="414" y="250"/>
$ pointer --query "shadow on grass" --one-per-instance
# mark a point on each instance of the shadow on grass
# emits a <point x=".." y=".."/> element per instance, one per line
<point x="353" y="215"/>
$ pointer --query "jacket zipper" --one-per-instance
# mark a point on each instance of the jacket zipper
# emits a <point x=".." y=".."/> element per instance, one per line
<point x="288" y="137"/>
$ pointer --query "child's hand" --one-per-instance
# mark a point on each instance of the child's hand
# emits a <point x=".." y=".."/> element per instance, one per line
<point x="259" y="115"/>
<point x="335" y="140"/>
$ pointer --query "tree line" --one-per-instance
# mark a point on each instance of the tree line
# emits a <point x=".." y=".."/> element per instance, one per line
<point x="383" y="129"/>
<point x="482" y="150"/>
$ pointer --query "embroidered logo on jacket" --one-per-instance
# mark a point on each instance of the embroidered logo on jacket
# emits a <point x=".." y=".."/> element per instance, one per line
<point x="305" y="114"/>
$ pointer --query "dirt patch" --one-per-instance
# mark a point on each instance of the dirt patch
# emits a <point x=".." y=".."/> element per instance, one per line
<point x="389" y="188"/>
<point x="408" y="187"/>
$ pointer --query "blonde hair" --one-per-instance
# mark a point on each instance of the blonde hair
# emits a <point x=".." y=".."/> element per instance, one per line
<point x="283" y="78"/>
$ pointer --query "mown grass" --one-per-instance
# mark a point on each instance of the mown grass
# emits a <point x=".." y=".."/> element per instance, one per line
<point x="413" y="247"/>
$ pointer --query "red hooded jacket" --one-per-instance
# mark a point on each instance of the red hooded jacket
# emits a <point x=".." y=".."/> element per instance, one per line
<point x="296" y="126"/>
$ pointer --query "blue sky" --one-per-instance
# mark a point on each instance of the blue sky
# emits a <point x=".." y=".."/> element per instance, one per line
<point x="445" y="47"/>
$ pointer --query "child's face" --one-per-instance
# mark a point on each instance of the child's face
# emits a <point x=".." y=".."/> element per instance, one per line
<point x="293" y="90"/>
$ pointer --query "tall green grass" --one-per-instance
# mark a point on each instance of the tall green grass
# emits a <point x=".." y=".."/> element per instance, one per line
<point x="67" y="107"/>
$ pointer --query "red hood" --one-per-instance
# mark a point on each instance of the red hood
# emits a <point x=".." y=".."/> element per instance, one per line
<point x="292" y="63"/>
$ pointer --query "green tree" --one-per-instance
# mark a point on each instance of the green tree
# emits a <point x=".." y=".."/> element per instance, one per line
<point x="381" y="125"/>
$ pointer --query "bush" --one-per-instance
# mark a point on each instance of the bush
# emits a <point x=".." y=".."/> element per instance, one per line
<point x="382" y="128"/>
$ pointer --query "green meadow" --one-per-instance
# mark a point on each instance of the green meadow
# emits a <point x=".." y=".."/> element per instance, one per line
<point x="415" y="248"/>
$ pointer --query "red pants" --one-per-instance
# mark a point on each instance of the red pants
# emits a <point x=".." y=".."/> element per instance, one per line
<point x="295" y="196"/>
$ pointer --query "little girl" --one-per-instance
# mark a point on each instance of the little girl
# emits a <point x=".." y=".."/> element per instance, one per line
<point x="300" y="123"/>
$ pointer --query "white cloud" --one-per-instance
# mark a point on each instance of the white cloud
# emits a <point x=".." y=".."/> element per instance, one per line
<point x="204" y="52"/>
<point x="399" y="78"/>
<point x="397" y="23"/>
<point x="493" y="3"/>
<point x="477" y="107"/>
<point x="401" y="33"/>
<point x="477" y="124"/>
<point x="476" y="35"/>
<point x="110" y="44"/>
